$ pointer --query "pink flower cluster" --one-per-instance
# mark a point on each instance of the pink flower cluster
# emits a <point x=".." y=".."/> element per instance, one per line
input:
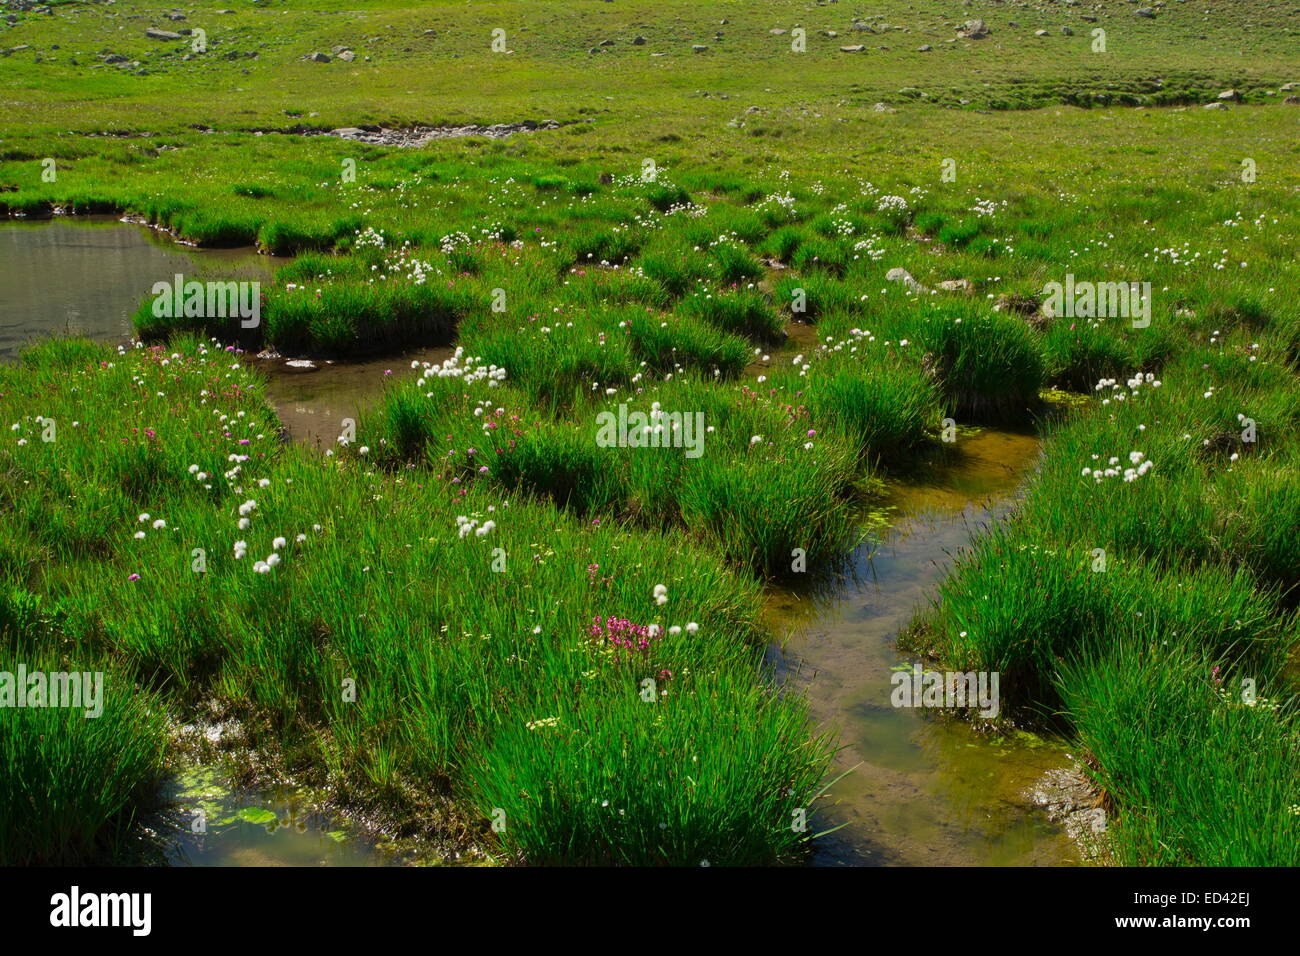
<point x="623" y="635"/>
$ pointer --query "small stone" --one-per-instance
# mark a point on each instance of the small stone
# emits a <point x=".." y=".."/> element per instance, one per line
<point x="905" y="277"/>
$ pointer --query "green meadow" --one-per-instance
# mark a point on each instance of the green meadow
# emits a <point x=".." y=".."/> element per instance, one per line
<point x="472" y="614"/>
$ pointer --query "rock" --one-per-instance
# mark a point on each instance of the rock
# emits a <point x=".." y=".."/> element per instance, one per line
<point x="177" y="17"/>
<point x="857" y="48"/>
<point x="1288" y="87"/>
<point x="319" y="58"/>
<point x="974" y="30"/>
<point x="1293" y="100"/>
<point x="1068" y="797"/>
<point x="830" y="34"/>
<point x="905" y="277"/>
<point x="882" y="108"/>
<point x="638" y="41"/>
<point x="1066" y="32"/>
<point x="1040" y="33"/>
<point x="924" y="48"/>
<point x="1217" y="106"/>
<point x="153" y="33"/>
<point x="1147" y="12"/>
<point x="1229" y="96"/>
<point x="699" y="48"/>
<point x="777" y="32"/>
<point x="955" y="285"/>
<point x="347" y="56"/>
<point x="115" y="58"/>
<point x="605" y="43"/>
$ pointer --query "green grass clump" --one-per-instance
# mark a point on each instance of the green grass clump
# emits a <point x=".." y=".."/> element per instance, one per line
<point x="1202" y="765"/>
<point x="989" y="363"/>
<point x="735" y="263"/>
<point x="680" y="342"/>
<point x="881" y="405"/>
<point x="677" y="267"/>
<point x="1019" y="608"/>
<point x="744" y="312"/>
<point x="571" y="804"/>
<point x="73" y="779"/>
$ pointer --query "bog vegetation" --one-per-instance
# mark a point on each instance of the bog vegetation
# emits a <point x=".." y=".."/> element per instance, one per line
<point x="470" y="611"/>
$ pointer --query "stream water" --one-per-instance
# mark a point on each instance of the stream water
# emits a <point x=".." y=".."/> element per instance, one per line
<point x="919" y="789"/>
